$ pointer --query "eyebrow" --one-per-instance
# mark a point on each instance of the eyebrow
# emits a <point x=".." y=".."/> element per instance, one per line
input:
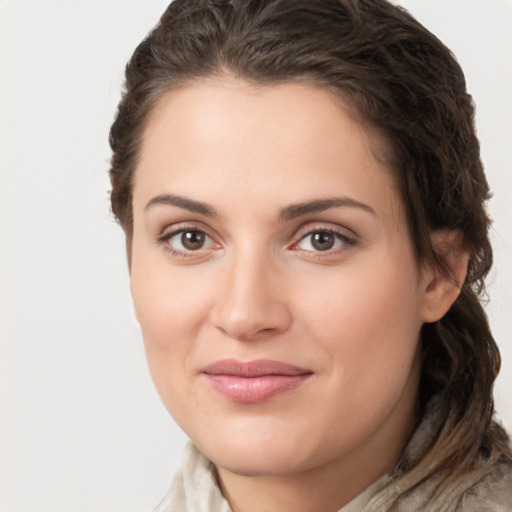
<point x="319" y="205"/>
<point x="288" y="213"/>
<point x="182" y="202"/>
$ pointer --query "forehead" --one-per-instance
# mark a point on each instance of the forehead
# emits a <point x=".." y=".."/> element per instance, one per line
<point x="227" y="136"/>
<point x="210" y="105"/>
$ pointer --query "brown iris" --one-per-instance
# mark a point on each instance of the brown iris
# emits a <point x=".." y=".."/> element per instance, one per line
<point x="192" y="240"/>
<point x="322" y="241"/>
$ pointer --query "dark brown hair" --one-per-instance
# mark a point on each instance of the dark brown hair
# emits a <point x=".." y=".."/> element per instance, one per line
<point x="398" y="78"/>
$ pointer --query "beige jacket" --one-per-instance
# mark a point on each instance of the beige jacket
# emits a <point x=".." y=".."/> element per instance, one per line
<point x="194" y="487"/>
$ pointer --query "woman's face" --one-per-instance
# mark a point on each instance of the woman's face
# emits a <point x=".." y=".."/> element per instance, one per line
<point x="274" y="279"/>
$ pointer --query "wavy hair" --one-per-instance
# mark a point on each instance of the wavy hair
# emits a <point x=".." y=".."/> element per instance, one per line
<point x="400" y="79"/>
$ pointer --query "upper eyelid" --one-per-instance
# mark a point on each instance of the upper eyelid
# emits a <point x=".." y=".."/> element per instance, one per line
<point x="300" y="233"/>
<point x="347" y="243"/>
<point x="310" y="228"/>
<point x="164" y="241"/>
<point x="178" y="227"/>
<point x="343" y="238"/>
<point x="167" y="233"/>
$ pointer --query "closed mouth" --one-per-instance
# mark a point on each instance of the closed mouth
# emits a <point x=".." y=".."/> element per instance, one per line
<point x="254" y="381"/>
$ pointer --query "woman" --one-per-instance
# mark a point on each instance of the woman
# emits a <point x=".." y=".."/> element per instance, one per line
<point x="303" y="201"/>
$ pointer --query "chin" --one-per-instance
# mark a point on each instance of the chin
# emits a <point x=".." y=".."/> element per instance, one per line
<point x="254" y="462"/>
<point x="252" y="455"/>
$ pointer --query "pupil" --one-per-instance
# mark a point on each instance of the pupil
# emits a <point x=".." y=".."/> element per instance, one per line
<point x="323" y="241"/>
<point x="192" y="240"/>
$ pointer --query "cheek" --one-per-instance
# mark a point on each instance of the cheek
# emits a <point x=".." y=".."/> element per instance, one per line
<point x="367" y="325"/>
<point x="166" y="301"/>
<point x="368" y="318"/>
<point x="170" y="308"/>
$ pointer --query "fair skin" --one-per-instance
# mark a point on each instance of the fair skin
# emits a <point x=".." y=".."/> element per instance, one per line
<point x="226" y="266"/>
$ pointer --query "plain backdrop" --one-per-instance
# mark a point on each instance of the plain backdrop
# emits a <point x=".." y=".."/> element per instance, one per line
<point x="81" y="426"/>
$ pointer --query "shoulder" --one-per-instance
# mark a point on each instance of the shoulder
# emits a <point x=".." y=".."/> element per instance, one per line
<point x="481" y="490"/>
<point x="194" y="486"/>
<point x="492" y="493"/>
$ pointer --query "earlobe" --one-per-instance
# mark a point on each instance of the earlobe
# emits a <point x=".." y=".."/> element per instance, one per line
<point x="442" y="284"/>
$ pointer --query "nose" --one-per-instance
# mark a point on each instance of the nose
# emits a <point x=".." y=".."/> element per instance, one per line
<point x="251" y="303"/>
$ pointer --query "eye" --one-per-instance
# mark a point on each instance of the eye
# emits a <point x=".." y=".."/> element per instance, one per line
<point x="187" y="241"/>
<point x="323" y="240"/>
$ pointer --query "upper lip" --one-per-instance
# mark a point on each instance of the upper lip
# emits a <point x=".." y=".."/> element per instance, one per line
<point x="255" y="368"/>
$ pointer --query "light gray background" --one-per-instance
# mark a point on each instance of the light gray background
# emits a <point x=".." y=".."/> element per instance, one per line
<point x="81" y="427"/>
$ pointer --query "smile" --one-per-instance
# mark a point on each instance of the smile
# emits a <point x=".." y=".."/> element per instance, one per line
<point x="253" y="382"/>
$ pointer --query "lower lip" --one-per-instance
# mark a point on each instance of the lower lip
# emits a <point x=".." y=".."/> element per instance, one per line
<point x="254" y="390"/>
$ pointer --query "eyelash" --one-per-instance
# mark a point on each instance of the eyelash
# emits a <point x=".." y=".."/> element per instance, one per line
<point x="166" y="236"/>
<point x="345" y="241"/>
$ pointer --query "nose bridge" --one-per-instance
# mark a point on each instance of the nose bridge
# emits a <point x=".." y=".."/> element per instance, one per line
<point x="250" y="305"/>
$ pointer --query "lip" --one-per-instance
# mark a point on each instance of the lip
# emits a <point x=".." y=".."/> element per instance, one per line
<point x="253" y="382"/>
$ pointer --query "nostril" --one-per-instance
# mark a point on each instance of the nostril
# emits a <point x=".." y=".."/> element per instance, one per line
<point x="254" y="326"/>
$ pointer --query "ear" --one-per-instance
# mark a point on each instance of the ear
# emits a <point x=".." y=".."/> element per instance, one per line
<point x="442" y="285"/>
